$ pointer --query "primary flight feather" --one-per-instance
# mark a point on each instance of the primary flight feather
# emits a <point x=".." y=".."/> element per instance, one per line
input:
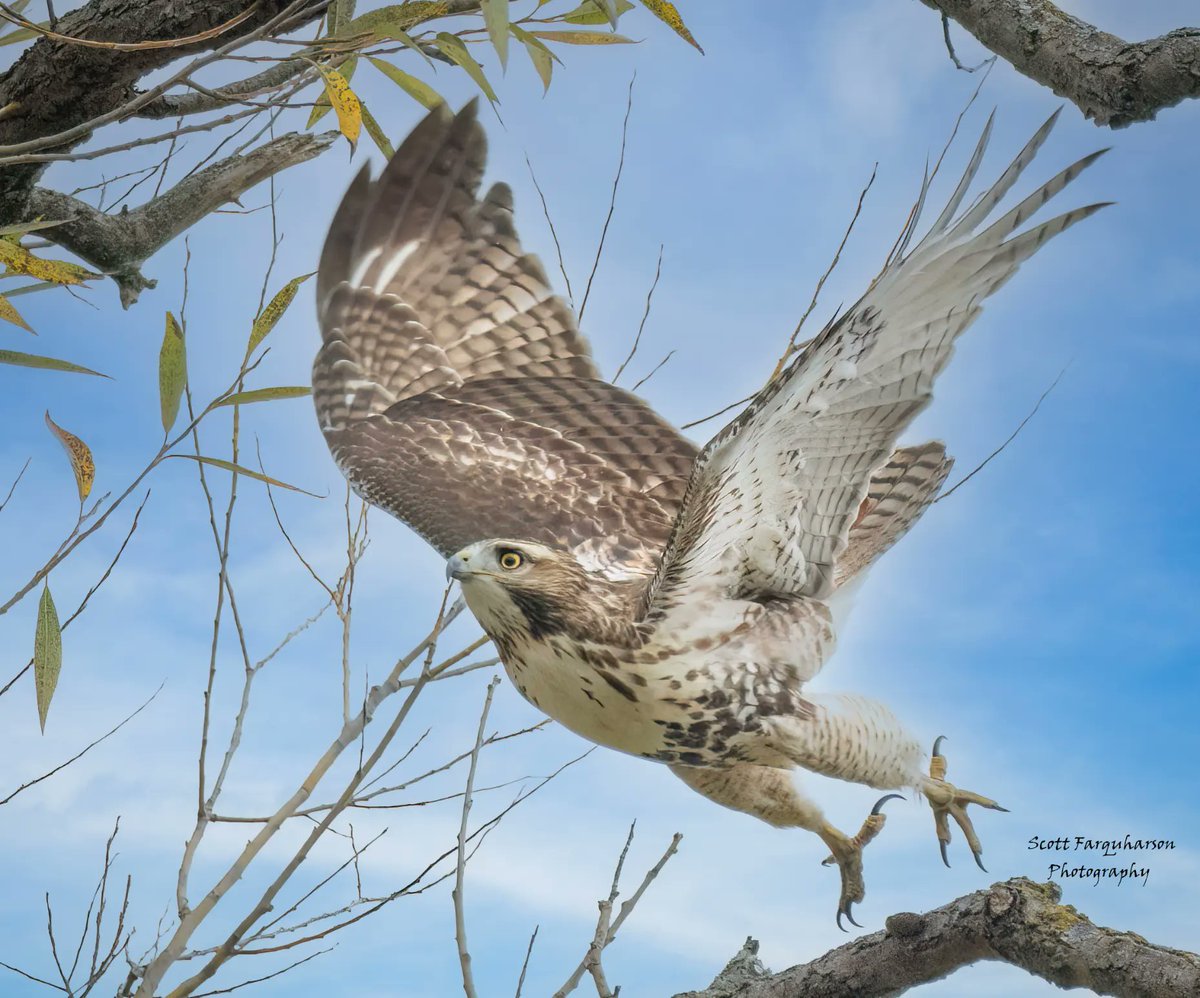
<point x="661" y="600"/>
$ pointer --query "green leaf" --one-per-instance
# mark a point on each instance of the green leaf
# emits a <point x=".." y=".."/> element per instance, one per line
<point x="585" y="37"/>
<point x="376" y="133"/>
<point x="264" y="395"/>
<point x="453" y="48"/>
<point x="26" y="289"/>
<point x="172" y="372"/>
<point x="591" y="12"/>
<point x="542" y="58"/>
<point x="495" y="16"/>
<point x="238" y="469"/>
<point x="47" y="654"/>
<point x="23" y="227"/>
<point x="341" y="13"/>
<point x="47" y="363"/>
<point x="274" y="311"/>
<point x="384" y="23"/>
<point x="667" y="12"/>
<point x="418" y="90"/>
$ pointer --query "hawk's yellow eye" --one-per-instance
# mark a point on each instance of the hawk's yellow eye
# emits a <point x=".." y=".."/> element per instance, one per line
<point x="511" y="560"/>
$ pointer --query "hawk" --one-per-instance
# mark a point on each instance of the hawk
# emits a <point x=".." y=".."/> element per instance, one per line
<point x="659" y="599"/>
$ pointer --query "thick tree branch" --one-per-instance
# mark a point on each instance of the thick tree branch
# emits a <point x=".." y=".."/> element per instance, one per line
<point x="1016" y="921"/>
<point x="118" y="244"/>
<point x="55" y="87"/>
<point x="1112" y="81"/>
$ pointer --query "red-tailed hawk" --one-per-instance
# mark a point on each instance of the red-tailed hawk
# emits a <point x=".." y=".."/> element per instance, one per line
<point x="661" y="600"/>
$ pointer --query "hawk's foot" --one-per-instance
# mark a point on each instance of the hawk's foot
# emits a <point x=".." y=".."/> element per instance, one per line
<point x="948" y="801"/>
<point x="847" y="853"/>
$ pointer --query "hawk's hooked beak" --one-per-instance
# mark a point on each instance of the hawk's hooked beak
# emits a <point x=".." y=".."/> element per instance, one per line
<point x="456" y="567"/>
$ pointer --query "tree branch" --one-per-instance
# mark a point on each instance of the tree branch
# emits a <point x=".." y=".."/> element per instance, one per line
<point x="1112" y="81"/>
<point x="119" y="244"/>
<point x="1016" y="921"/>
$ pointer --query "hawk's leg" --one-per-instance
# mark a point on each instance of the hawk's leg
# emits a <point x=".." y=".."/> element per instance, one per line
<point x="948" y="801"/>
<point x="771" y="794"/>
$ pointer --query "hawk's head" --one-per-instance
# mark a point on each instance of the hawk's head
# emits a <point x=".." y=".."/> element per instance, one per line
<point x="525" y="590"/>
<point x="520" y="586"/>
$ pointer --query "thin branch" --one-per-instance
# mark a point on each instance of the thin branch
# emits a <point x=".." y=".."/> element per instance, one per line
<point x="954" y="55"/>
<point x="612" y="203"/>
<point x="460" y="919"/>
<point x="1011" y="437"/>
<point x="562" y="267"/>
<point x="17" y="481"/>
<point x="525" y="962"/>
<point x="645" y="315"/>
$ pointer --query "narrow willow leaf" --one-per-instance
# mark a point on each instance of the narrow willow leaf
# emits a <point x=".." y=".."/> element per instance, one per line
<point x="47" y="654"/>
<point x="585" y="37"/>
<point x="590" y="12"/>
<point x="20" y="261"/>
<point x="542" y="58"/>
<point x="345" y="103"/>
<point x="321" y="106"/>
<point x="376" y="133"/>
<point x="419" y="90"/>
<point x="26" y="289"/>
<point x="80" y="456"/>
<point x="238" y="469"/>
<point x="9" y="313"/>
<point x="23" y="227"/>
<point x="666" y="12"/>
<point x="264" y="395"/>
<point x="47" y="363"/>
<point x="22" y="34"/>
<point x="341" y="13"/>
<point x="495" y="16"/>
<point x="273" y="312"/>
<point x="385" y="23"/>
<point x="453" y="48"/>
<point x="172" y="372"/>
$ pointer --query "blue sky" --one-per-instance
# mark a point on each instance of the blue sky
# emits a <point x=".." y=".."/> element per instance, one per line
<point x="1043" y="618"/>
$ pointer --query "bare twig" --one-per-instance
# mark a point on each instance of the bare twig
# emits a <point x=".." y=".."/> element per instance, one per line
<point x="460" y="919"/>
<point x="612" y="203"/>
<point x="562" y="267"/>
<point x="1011" y="437"/>
<point x="525" y="962"/>
<point x="625" y="911"/>
<point x="645" y="315"/>
<point x="954" y="55"/>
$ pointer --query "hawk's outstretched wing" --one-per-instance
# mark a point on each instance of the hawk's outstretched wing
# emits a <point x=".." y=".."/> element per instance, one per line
<point x="454" y="388"/>
<point x="772" y="498"/>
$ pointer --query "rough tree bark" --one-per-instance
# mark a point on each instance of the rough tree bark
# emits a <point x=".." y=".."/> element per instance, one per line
<point x="1112" y="81"/>
<point x="1017" y="921"/>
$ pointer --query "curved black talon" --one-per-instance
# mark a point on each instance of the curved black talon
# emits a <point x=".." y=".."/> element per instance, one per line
<point x="997" y="807"/>
<point x="849" y="917"/>
<point x="942" y="845"/>
<point x="878" y="808"/>
<point x="979" y="862"/>
<point x="937" y="744"/>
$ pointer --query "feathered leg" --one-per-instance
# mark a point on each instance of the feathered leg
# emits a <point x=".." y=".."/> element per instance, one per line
<point x="858" y="739"/>
<point x="771" y="795"/>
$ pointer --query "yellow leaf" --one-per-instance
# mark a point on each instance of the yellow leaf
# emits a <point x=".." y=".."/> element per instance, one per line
<point x="172" y="372"/>
<point x="542" y="58"/>
<point x="271" y="314"/>
<point x="585" y="37"/>
<point x="666" y="12"/>
<point x="419" y="90"/>
<point x="80" y="455"/>
<point x="9" y="312"/>
<point x="321" y="106"/>
<point x="47" y="654"/>
<point x="345" y="103"/>
<point x="19" y="260"/>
